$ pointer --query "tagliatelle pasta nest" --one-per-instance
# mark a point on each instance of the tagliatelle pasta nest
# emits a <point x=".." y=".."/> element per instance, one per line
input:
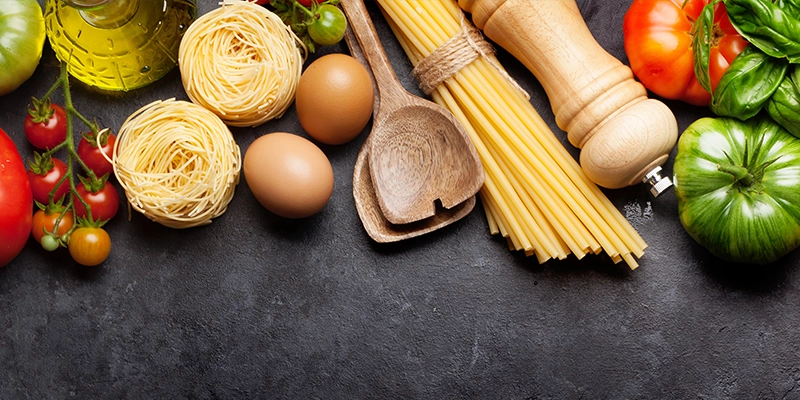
<point x="177" y="162"/>
<point x="241" y="62"/>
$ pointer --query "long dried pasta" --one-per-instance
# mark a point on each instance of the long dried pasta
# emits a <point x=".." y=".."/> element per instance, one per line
<point x="535" y="194"/>
<point x="177" y="162"/>
<point x="241" y="62"/>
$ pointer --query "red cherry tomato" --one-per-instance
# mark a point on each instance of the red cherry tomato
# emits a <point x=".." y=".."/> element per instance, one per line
<point x="305" y="3"/>
<point x="92" y="155"/>
<point x="45" y="125"/>
<point x="658" y="42"/>
<point x="42" y="184"/>
<point x="104" y="202"/>
<point x="89" y="246"/>
<point x="44" y="221"/>
<point x="16" y="212"/>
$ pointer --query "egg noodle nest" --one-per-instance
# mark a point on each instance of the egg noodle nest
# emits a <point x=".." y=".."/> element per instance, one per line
<point x="241" y="62"/>
<point x="177" y="162"/>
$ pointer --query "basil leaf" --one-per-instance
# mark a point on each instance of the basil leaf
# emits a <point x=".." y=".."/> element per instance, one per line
<point x="784" y="105"/>
<point x="748" y="83"/>
<point x="772" y="27"/>
<point x="702" y="36"/>
<point x="791" y="7"/>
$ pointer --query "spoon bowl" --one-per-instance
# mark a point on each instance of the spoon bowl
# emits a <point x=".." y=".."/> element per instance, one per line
<point x="412" y="171"/>
<point x="419" y="152"/>
<point x="376" y="224"/>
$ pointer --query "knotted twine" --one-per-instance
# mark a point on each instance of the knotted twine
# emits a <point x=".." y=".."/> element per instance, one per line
<point x="455" y="54"/>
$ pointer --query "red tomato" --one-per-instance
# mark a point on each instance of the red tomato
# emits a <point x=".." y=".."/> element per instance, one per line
<point x="89" y="246"/>
<point x="45" y="221"/>
<point x="305" y="3"/>
<point x="16" y="212"/>
<point x="658" y="42"/>
<point x="42" y="184"/>
<point x="92" y="155"/>
<point x="104" y="203"/>
<point x="262" y="2"/>
<point x="46" y="125"/>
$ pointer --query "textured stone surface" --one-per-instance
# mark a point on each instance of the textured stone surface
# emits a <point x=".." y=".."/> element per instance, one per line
<point x="255" y="306"/>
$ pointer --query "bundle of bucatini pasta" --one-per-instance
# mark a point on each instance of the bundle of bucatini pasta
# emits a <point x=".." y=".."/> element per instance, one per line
<point x="535" y="193"/>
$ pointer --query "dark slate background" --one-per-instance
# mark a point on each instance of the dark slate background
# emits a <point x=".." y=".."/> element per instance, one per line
<point x="255" y="306"/>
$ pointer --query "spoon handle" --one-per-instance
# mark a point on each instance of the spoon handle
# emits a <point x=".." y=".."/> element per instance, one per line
<point x="371" y="46"/>
<point x="624" y="136"/>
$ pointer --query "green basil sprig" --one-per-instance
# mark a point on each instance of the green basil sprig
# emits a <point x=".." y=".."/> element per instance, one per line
<point x="749" y="82"/>
<point x="784" y="105"/>
<point x="702" y="36"/>
<point x="770" y="26"/>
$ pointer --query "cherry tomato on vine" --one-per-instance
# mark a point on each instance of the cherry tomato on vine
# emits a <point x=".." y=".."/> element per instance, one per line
<point x="46" y="124"/>
<point x="50" y="243"/>
<point x="92" y="155"/>
<point x="329" y="28"/>
<point x="89" y="246"/>
<point x="103" y="202"/>
<point x="658" y="42"/>
<point x="44" y="221"/>
<point x="44" y="175"/>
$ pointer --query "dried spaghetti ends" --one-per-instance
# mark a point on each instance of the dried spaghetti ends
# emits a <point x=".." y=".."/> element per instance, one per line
<point x="177" y="162"/>
<point x="241" y="62"/>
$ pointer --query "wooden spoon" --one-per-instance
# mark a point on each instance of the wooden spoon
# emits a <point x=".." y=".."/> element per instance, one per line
<point x="419" y="151"/>
<point x="376" y="225"/>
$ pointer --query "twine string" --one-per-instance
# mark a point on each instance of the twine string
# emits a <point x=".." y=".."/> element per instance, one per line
<point x="455" y="54"/>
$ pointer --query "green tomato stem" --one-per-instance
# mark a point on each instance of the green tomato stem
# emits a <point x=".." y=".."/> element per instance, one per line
<point x="740" y="174"/>
<point x="53" y="88"/>
<point x="305" y="10"/>
<point x="72" y="154"/>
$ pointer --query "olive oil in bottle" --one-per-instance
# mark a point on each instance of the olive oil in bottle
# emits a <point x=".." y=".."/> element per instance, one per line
<point x="118" y="44"/>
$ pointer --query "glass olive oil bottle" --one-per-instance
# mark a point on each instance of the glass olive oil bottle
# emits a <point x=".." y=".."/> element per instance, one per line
<point x="118" y="44"/>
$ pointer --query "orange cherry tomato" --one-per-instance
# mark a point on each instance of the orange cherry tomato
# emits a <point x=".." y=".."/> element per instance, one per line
<point x="45" y="221"/>
<point x="89" y="246"/>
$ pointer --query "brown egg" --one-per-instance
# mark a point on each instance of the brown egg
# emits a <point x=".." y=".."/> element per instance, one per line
<point x="288" y="174"/>
<point x="334" y="98"/>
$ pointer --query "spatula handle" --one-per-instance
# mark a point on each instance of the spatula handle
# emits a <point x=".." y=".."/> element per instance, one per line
<point x="605" y="112"/>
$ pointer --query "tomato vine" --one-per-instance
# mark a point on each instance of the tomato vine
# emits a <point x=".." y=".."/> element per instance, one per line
<point x="75" y="203"/>
<point x="315" y="23"/>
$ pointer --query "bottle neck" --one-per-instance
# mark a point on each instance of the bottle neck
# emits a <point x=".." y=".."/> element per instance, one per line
<point x="106" y="14"/>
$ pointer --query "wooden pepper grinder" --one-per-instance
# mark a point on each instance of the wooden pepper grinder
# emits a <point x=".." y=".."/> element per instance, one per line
<point x="624" y="137"/>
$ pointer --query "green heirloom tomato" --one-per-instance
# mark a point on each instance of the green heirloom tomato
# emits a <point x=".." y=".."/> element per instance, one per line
<point x="738" y="188"/>
<point x="21" y="40"/>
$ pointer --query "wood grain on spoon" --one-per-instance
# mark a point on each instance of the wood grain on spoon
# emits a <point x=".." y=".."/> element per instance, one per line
<point x="376" y="225"/>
